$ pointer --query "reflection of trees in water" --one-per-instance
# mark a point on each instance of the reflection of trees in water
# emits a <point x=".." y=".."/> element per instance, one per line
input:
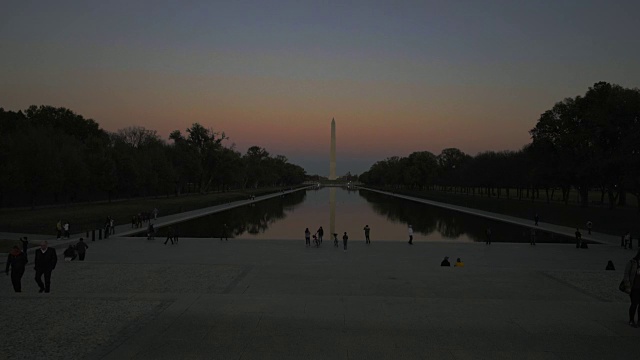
<point x="421" y="218"/>
<point x="450" y="224"/>
<point x="253" y="218"/>
<point x="257" y="218"/>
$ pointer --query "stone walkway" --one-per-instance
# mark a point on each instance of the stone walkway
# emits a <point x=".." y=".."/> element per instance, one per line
<point x="127" y="230"/>
<point x="249" y="299"/>
<point x="545" y="226"/>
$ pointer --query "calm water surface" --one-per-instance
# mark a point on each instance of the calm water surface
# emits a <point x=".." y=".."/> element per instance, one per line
<point x="388" y="217"/>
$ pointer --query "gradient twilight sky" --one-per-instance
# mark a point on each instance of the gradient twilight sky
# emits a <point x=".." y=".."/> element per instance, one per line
<point x="398" y="76"/>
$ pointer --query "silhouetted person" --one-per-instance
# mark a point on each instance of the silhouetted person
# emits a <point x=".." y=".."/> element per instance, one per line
<point x="81" y="248"/>
<point x="445" y="262"/>
<point x="320" y="234"/>
<point x="335" y="239"/>
<point x="345" y="238"/>
<point x="45" y="261"/>
<point x="535" y="219"/>
<point x="59" y="229"/>
<point x="66" y="229"/>
<point x="610" y="266"/>
<point x="25" y="246"/>
<point x="532" y="240"/>
<point x="367" y="230"/>
<point x="488" y="234"/>
<point x="410" y="230"/>
<point x="578" y="238"/>
<point x="225" y="233"/>
<point x="16" y="261"/>
<point x="632" y="285"/>
<point x="151" y="231"/>
<point x="70" y="253"/>
<point x="307" y="237"/>
<point x="169" y="235"/>
<point x="589" y="226"/>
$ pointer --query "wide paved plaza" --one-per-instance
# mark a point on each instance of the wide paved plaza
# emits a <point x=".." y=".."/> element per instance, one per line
<point x="277" y="299"/>
<point x="139" y="299"/>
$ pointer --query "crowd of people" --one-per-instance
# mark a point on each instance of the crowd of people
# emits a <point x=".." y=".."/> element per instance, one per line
<point x="143" y="217"/>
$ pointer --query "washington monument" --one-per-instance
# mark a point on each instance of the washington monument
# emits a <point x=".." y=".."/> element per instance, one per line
<point x="332" y="159"/>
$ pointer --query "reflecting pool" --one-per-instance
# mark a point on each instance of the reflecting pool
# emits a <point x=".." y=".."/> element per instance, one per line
<point x="341" y="209"/>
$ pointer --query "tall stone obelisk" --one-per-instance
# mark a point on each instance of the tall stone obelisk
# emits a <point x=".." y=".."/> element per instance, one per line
<point x="332" y="159"/>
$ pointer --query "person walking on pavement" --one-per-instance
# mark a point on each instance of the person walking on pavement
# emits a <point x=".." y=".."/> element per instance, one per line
<point x="335" y="239"/>
<point x="16" y="261"/>
<point x="307" y="237"/>
<point x="66" y="229"/>
<point x="578" y="238"/>
<point x="320" y="233"/>
<point x="632" y="287"/>
<point x="410" y="235"/>
<point x="45" y="261"/>
<point x="367" y="230"/>
<point x="536" y="218"/>
<point x="81" y="248"/>
<point x="488" y="233"/>
<point x="169" y="235"/>
<point x="589" y="226"/>
<point x="225" y="233"/>
<point x="345" y="238"/>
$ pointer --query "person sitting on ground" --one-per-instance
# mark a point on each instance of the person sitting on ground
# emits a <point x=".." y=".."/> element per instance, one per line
<point x="610" y="266"/>
<point x="459" y="263"/>
<point x="445" y="262"/>
<point x="70" y="253"/>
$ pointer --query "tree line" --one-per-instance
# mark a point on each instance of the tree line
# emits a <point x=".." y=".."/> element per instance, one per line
<point x="53" y="155"/>
<point x="585" y="143"/>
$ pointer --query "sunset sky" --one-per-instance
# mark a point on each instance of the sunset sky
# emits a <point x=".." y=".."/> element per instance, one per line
<point x="398" y="76"/>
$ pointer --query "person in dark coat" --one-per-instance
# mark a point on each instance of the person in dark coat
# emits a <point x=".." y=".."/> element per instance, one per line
<point x="25" y="246"/>
<point x="445" y="262"/>
<point x="225" y="233"/>
<point x="320" y="234"/>
<point x="367" y="231"/>
<point x="70" y="253"/>
<point x="578" y="238"/>
<point x="307" y="237"/>
<point x="81" y="248"/>
<point x="345" y="238"/>
<point x="169" y="235"/>
<point x="632" y="286"/>
<point x="16" y="260"/>
<point x="45" y="262"/>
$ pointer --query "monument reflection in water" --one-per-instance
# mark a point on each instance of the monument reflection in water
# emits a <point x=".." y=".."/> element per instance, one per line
<point x="286" y="217"/>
